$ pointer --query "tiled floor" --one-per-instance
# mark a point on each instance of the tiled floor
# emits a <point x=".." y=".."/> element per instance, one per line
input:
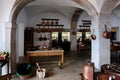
<point x="71" y="68"/>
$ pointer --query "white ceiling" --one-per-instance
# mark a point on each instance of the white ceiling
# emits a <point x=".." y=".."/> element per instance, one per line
<point x="51" y="3"/>
<point x="73" y="3"/>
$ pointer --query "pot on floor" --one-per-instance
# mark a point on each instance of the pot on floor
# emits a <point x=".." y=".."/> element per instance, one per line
<point x="88" y="70"/>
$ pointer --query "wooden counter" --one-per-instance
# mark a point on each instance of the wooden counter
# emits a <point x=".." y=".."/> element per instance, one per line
<point x="47" y="53"/>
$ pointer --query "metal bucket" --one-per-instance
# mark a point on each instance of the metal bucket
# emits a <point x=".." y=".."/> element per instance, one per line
<point x="88" y="70"/>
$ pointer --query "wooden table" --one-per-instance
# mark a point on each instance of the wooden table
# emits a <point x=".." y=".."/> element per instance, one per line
<point x="47" y="53"/>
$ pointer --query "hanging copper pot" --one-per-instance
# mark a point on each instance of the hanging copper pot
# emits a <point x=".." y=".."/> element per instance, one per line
<point x="106" y="34"/>
<point x="93" y="36"/>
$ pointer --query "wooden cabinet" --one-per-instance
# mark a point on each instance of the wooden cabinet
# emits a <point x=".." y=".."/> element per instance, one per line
<point x="28" y="39"/>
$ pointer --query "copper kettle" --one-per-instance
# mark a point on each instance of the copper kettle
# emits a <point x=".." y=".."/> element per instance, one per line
<point x="106" y="34"/>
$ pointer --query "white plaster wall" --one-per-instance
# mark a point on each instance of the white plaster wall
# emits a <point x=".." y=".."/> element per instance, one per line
<point x="5" y="8"/>
<point x="21" y="24"/>
<point x="20" y="41"/>
<point x="41" y="43"/>
<point x="37" y="19"/>
<point x="34" y="15"/>
<point x="115" y="18"/>
<point x="22" y="17"/>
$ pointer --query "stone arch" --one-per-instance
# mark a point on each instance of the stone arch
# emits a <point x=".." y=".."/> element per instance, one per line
<point x="107" y="8"/>
<point x="75" y="18"/>
<point x="19" y="4"/>
<point x="17" y="8"/>
<point x="89" y="8"/>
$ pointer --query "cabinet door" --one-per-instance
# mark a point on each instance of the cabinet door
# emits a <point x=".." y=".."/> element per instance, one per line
<point x="28" y="39"/>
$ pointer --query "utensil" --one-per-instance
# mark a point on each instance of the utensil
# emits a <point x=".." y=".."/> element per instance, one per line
<point x="106" y="34"/>
<point x="93" y="36"/>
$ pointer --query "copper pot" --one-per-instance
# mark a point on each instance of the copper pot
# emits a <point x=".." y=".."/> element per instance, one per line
<point x="93" y="36"/>
<point x="88" y="69"/>
<point x="106" y="34"/>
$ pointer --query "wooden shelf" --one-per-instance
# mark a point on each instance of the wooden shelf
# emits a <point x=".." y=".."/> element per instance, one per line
<point x="49" y="19"/>
<point x="85" y="27"/>
<point x="86" y="21"/>
<point x="49" y="25"/>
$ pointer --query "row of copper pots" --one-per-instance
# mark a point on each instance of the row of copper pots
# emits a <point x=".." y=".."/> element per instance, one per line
<point x="49" y="29"/>
<point x="50" y="23"/>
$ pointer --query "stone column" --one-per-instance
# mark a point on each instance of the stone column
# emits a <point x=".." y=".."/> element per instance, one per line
<point x="73" y="39"/>
<point x="100" y="46"/>
<point x="10" y="37"/>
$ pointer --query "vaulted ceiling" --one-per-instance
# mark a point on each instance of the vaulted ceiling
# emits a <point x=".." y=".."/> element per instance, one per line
<point x="67" y="7"/>
<point x="73" y="3"/>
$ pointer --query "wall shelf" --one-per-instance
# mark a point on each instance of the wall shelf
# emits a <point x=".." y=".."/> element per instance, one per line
<point x="85" y="27"/>
<point x="49" y="25"/>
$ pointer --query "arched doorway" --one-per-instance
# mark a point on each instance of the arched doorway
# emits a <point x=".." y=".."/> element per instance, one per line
<point x="14" y="13"/>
